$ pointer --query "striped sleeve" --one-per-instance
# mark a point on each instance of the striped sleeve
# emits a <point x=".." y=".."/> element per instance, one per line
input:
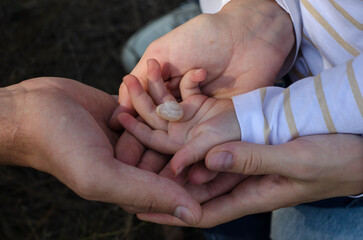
<point x="330" y="102"/>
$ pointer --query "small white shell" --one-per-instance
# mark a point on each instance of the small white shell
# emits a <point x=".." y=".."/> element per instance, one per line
<point x="170" y="110"/>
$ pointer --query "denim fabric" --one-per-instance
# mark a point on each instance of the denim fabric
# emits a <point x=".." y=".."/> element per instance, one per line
<point x="253" y="227"/>
<point x="333" y="219"/>
<point x="338" y="202"/>
<point x="306" y="222"/>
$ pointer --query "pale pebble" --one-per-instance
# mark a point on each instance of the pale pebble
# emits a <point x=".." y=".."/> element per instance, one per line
<point x="170" y="110"/>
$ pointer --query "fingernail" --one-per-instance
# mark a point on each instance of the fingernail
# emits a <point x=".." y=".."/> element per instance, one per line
<point x="185" y="215"/>
<point x="116" y="112"/>
<point x="179" y="170"/>
<point x="220" y="161"/>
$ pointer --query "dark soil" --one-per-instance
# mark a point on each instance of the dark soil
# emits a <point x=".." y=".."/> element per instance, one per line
<point x="78" y="39"/>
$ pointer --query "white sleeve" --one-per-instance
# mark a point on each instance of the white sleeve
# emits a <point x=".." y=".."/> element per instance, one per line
<point x="212" y="6"/>
<point x="330" y="102"/>
<point x="292" y="7"/>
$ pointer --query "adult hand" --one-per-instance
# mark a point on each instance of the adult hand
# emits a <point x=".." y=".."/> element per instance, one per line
<point x="242" y="48"/>
<point x="306" y="169"/>
<point x="60" y="126"/>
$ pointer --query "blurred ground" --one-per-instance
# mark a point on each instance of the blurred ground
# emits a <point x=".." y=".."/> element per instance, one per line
<point x="78" y="39"/>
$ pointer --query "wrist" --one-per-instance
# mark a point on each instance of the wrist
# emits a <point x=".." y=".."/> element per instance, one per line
<point x="10" y="150"/>
<point x="232" y="121"/>
<point x="265" y="23"/>
<point x="236" y="127"/>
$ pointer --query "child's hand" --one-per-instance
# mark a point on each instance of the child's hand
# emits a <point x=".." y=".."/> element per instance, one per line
<point x="207" y="122"/>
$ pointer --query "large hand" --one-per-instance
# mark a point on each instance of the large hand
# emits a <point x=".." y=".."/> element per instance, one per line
<point x="306" y="169"/>
<point x="60" y="127"/>
<point x="242" y="48"/>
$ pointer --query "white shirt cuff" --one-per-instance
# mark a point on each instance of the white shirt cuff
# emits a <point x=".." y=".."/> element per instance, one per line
<point x="292" y="7"/>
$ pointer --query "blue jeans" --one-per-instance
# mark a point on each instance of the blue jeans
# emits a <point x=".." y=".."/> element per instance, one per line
<point x="253" y="227"/>
<point x="332" y="219"/>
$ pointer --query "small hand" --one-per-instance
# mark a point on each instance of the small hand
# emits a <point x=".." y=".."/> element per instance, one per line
<point x="206" y="121"/>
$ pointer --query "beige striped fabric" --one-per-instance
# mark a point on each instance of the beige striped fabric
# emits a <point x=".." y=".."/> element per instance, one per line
<point x="326" y="96"/>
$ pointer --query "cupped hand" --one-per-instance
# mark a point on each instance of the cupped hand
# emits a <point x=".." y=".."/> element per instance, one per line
<point x="207" y="122"/>
<point x="306" y="169"/>
<point x="242" y="48"/>
<point x="62" y="129"/>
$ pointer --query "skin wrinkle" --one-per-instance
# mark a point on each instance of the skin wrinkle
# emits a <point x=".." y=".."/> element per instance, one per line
<point x="200" y="118"/>
<point x="274" y="16"/>
<point x="251" y="166"/>
<point x="259" y="26"/>
<point x="198" y="131"/>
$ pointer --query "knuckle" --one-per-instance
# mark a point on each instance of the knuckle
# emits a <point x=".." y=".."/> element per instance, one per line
<point x="252" y="164"/>
<point x="149" y="204"/>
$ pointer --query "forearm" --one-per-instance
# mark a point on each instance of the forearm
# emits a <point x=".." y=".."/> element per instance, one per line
<point x="10" y="150"/>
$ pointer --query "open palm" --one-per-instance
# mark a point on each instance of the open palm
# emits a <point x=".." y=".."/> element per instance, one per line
<point x="63" y="130"/>
<point x="206" y="121"/>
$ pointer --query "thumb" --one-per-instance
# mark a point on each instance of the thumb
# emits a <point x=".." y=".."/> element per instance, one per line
<point x="125" y="105"/>
<point x="144" y="191"/>
<point x="189" y="84"/>
<point x="250" y="159"/>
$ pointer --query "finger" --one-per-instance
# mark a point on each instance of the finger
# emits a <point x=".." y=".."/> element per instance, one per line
<point x="199" y="174"/>
<point x="128" y="149"/>
<point x="189" y="84"/>
<point x="114" y="123"/>
<point x="181" y="179"/>
<point x="143" y="104"/>
<point x="254" y="159"/>
<point x="192" y="152"/>
<point x="154" y="139"/>
<point x="153" y="161"/>
<point x="256" y="194"/>
<point x="130" y="186"/>
<point x="124" y="98"/>
<point x="222" y="184"/>
<point x="157" y="89"/>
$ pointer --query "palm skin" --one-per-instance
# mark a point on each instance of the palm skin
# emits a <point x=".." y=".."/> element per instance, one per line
<point x="207" y="122"/>
<point x="240" y="48"/>
<point x="61" y="127"/>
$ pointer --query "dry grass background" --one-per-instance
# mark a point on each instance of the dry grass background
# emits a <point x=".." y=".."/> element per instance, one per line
<point x="78" y="39"/>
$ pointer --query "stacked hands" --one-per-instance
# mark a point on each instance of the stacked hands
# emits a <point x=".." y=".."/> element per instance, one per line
<point x="194" y="171"/>
<point x="229" y="178"/>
